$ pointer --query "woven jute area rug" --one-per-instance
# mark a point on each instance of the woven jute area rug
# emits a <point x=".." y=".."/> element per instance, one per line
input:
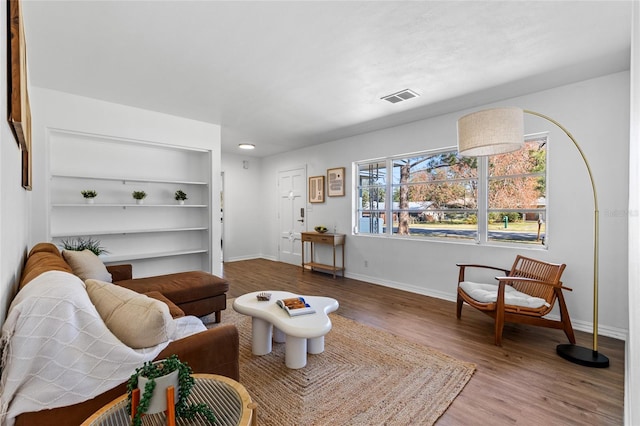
<point x="364" y="377"/>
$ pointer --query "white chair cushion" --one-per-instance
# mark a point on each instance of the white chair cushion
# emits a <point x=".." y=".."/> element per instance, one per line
<point x="488" y="293"/>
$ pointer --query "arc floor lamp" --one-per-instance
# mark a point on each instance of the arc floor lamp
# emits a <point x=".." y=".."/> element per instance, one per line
<point x="501" y="130"/>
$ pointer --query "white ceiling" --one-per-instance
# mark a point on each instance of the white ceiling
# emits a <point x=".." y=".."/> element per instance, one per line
<point x="284" y="75"/>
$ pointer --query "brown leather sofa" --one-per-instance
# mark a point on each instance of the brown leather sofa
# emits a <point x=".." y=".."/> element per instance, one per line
<point x="212" y="351"/>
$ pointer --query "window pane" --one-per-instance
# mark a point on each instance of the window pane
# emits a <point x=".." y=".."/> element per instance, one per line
<point x="438" y="167"/>
<point x="439" y="224"/>
<point x="371" y="222"/>
<point x="531" y="159"/>
<point x="527" y="228"/>
<point x="372" y="174"/>
<point x="435" y="195"/>
<point x="517" y="193"/>
<point x="440" y="195"/>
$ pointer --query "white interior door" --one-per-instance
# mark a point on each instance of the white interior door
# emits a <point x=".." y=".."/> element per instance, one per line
<point x="292" y="194"/>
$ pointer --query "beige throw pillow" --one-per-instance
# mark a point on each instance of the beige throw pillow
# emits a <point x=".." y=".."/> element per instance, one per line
<point x="137" y="320"/>
<point x="86" y="265"/>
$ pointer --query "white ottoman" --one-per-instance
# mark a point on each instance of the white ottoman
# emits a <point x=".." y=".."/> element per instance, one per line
<point x="301" y="334"/>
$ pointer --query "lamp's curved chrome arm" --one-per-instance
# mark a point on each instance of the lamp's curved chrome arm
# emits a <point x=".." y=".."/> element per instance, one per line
<point x="596" y="227"/>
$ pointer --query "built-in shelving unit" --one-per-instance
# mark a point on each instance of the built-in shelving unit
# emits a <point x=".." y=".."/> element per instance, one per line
<point x="159" y="235"/>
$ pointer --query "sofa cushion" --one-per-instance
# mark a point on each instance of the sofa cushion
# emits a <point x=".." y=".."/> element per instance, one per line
<point x="137" y="320"/>
<point x="45" y="248"/>
<point x="42" y="261"/>
<point x="174" y="310"/>
<point x="182" y="287"/>
<point x="86" y="265"/>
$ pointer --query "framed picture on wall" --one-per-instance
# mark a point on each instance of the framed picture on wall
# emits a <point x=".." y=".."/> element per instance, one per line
<point x="316" y="189"/>
<point x="19" y="116"/>
<point x="335" y="182"/>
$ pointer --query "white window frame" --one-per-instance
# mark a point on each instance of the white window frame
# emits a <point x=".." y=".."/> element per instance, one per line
<point x="482" y="231"/>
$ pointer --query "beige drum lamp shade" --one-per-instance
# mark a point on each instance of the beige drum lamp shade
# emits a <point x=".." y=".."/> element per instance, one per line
<point x="491" y="132"/>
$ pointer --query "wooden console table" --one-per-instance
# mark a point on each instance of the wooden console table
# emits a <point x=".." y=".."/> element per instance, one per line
<point x="333" y="240"/>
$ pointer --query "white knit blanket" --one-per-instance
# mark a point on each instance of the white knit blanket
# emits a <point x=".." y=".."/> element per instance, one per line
<point x="57" y="351"/>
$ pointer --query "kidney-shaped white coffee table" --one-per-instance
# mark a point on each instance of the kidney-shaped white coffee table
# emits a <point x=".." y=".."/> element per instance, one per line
<point x="301" y="334"/>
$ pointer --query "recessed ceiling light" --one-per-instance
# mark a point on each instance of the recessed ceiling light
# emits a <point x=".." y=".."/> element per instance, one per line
<point x="246" y="146"/>
<point x="400" y="96"/>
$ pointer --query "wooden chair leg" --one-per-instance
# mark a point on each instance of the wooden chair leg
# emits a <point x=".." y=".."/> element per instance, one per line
<point x="566" y="320"/>
<point x="459" y="307"/>
<point x="499" y="326"/>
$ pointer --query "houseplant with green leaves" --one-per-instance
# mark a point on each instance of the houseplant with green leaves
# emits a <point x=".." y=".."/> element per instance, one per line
<point x="180" y="196"/>
<point x="139" y="196"/>
<point x="81" y="243"/>
<point x="152" y="371"/>
<point x="89" y="195"/>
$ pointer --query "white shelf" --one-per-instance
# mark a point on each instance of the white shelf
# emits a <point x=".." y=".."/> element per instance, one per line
<point x="125" y="180"/>
<point x="124" y="232"/>
<point x="159" y="234"/>
<point x="141" y="256"/>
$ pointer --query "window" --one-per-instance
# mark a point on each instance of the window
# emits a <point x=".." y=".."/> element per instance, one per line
<point x="439" y="194"/>
<point x="516" y="197"/>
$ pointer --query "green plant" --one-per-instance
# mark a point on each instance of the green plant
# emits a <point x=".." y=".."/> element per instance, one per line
<point x="139" y="195"/>
<point x="80" y="244"/>
<point x="180" y="195"/>
<point x="152" y="371"/>
<point x="89" y="193"/>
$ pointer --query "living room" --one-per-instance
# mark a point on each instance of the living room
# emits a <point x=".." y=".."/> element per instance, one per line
<point x="596" y="110"/>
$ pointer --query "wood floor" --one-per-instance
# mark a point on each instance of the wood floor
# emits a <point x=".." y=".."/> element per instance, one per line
<point x="523" y="382"/>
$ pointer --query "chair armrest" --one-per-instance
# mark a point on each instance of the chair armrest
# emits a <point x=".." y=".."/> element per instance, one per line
<point x="120" y="272"/>
<point x="463" y="266"/>
<point x="531" y="280"/>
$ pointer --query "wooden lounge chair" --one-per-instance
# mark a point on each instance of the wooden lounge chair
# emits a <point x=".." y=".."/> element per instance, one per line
<point x="526" y="294"/>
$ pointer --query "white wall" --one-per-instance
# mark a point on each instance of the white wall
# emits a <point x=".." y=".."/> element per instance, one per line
<point x="57" y="110"/>
<point x="14" y="200"/>
<point x="243" y="207"/>
<point x="595" y="111"/>
<point x="632" y="364"/>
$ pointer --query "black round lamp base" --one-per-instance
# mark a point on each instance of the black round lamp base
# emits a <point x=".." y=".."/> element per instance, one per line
<point x="583" y="356"/>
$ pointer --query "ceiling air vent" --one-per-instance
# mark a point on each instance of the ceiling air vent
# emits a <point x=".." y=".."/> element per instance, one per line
<point x="400" y="96"/>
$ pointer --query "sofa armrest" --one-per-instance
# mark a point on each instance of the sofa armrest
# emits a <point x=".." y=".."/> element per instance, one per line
<point x="214" y="351"/>
<point x="120" y="272"/>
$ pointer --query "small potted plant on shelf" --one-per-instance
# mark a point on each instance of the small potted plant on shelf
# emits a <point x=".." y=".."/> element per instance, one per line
<point x="180" y="196"/>
<point x="139" y="196"/>
<point x="153" y="378"/>
<point x="89" y="195"/>
<point x="81" y="243"/>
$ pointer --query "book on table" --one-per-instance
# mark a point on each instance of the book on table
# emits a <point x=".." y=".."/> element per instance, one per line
<point x="296" y="306"/>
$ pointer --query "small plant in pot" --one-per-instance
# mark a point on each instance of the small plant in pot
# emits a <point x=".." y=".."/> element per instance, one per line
<point x="180" y="196"/>
<point x="139" y="196"/>
<point x="89" y="195"/>
<point x="80" y="244"/>
<point x="146" y="378"/>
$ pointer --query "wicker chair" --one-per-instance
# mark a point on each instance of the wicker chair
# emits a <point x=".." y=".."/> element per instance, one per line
<point x="525" y="295"/>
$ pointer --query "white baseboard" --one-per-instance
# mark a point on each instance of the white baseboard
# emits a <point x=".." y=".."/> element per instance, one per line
<point x="239" y="258"/>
